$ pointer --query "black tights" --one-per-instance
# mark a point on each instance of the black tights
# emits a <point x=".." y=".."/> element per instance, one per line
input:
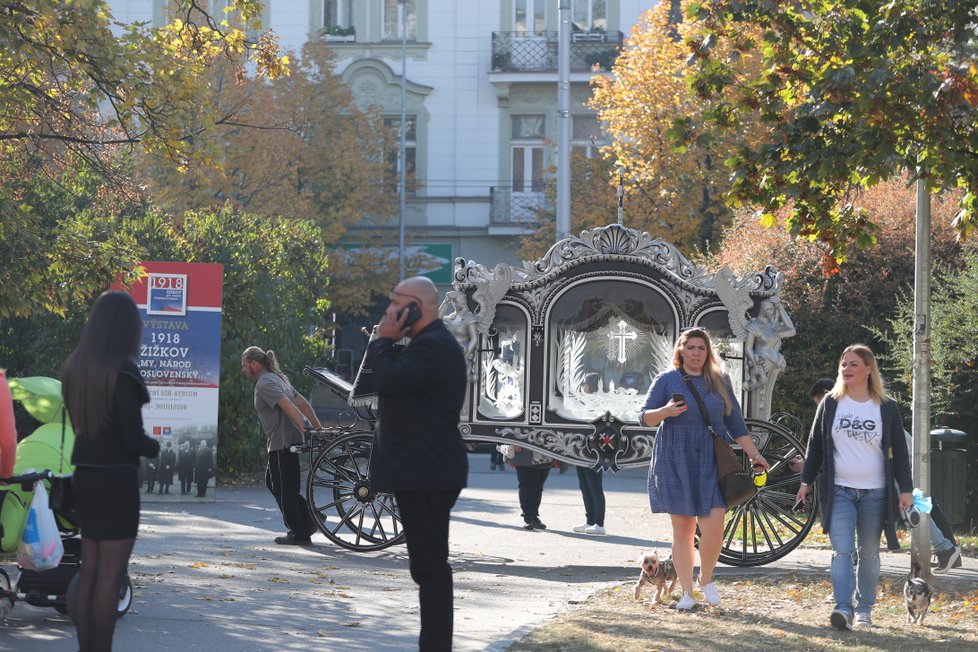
<point x="103" y="568"/>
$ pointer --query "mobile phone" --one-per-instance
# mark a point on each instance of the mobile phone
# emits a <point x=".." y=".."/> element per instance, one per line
<point x="678" y="398"/>
<point x="413" y="313"/>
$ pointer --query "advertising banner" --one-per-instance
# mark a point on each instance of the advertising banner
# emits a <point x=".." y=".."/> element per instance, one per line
<point x="180" y="360"/>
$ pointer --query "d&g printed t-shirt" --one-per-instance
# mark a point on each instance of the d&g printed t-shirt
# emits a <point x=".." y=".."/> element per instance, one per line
<point x="857" y="434"/>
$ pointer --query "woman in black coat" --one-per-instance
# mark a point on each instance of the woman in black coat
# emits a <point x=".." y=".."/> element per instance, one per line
<point x="104" y="395"/>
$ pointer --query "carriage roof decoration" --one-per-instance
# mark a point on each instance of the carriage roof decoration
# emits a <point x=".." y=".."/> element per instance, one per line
<point x="561" y="352"/>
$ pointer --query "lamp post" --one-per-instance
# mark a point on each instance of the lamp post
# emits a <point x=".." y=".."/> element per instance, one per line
<point x="402" y="152"/>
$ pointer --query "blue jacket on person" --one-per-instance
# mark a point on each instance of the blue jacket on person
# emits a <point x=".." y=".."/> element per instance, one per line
<point x="820" y="460"/>
<point x="421" y="388"/>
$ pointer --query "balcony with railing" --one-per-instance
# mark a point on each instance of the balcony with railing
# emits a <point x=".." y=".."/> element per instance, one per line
<point x="517" y="209"/>
<point x="537" y="51"/>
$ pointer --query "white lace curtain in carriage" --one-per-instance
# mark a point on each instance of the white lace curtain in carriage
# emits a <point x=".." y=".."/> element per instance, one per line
<point x="607" y="340"/>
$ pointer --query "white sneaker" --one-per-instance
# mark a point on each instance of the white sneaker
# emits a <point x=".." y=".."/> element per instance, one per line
<point x="686" y="603"/>
<point x="595" y="529"/>
<point x="710" y="593"/>
<point x="582" y="528"/>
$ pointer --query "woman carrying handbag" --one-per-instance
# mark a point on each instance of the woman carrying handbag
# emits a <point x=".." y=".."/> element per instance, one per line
<point x="683" y="473"/>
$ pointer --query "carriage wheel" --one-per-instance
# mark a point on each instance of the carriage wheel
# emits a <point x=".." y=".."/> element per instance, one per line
<point x="347" y="511"/>
<point x="764" y="528"/>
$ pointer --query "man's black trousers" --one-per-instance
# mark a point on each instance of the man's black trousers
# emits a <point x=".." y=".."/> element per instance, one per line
<point x="425" y="516"/>
<point x="282" y="480"/>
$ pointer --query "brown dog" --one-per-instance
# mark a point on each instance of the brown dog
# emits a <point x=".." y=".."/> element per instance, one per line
<point x="657" y="572"/>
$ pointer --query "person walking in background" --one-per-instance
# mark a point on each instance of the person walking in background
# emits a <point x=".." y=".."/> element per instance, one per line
<point x="418" y="452"/>
<point x="496" y="460"/>
<point x="282" y="412"/>
<point x="532" y="470"/>
<point x="858" y="453"/>
<point x="185" y="468"/>
<point x="591" y="481"/>
<point x="683" y="474"/>
<point x="203" y="467"/>
<point x="942" y="540"/>
<point x="104" y="394"/>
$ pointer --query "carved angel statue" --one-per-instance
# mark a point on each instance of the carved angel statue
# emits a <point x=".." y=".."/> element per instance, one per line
<point x="763" y="345"/>
<point x="466" y="324"/>
<point x="762" y="335"/>
<point x="462" y="322"/>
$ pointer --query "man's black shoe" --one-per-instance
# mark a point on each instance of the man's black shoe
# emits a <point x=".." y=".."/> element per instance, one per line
<point x="538" y="525"/>
<point x="291" y="539"/>
<point x="946" y="559"/>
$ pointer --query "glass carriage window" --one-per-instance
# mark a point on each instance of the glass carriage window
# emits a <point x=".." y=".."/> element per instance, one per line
<point x="608" y="339"/>
<point x="502" y="373"/>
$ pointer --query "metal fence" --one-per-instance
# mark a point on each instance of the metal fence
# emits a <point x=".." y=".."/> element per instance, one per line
<point x="537" y="51"/>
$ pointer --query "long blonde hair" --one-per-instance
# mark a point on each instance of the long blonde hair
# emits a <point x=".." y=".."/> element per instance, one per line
<point x="267" y="360"/>
<point x="876" y="390"/>
<point x="712" y="373"/>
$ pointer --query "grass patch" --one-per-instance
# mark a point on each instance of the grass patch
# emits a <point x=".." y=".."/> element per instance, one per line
<point x="786" y="612"/>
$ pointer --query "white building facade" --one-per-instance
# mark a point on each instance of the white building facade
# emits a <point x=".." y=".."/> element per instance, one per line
<point x="481" y="100"/>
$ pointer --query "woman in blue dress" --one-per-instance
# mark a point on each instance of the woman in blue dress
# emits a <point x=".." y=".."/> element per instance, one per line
<point x="683" y="476"/>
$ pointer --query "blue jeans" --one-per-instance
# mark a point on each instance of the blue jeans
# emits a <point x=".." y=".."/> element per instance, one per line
<point x="857" y="514"/>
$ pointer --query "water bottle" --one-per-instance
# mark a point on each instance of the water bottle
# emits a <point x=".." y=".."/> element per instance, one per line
<point x="760" y="476"/>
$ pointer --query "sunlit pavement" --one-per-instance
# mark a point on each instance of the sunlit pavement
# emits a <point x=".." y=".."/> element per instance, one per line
<point x="208" y="577"/>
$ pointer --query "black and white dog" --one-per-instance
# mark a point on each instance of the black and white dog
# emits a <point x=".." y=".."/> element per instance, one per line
<point x="916" y="595"/>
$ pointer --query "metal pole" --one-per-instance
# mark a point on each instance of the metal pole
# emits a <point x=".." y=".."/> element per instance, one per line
<point x="621" y="197"/>
<point x="563" y="122"/>
<point x="402" y="153"/>
<point x="920" y="539"/>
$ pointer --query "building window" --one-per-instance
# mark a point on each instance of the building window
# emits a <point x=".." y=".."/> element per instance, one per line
<point x="529" y="15"/>
<point x="337" y="14"/>
<point x="587" y="135"/>
<point x="589" y="15"/>
<point x="527" y="152"/>
<point x="392" y="155"/>
<point x="392" y="19"/>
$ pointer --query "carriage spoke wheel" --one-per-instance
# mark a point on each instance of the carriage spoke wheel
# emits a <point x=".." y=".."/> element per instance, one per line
<point x="765" y="529"/>
<point x="346" y="509"/>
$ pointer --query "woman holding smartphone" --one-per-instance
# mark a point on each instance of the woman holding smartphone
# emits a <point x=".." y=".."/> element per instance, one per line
<point x="682" y="475"/>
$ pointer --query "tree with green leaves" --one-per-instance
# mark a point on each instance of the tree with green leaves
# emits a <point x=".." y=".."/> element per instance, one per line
<point x="275" y="288"/>
<point x="954" y="360"/>
<point x="75" y="91"/>
<point x="327" y="168"/>
<point x="849" y="93"/>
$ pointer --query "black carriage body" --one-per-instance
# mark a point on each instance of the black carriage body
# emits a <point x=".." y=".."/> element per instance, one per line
<point x="610" y="302"/>
<point x="560" y="354"/>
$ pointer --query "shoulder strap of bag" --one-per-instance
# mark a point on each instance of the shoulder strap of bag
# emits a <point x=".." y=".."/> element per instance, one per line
<point x="699" y="402"/>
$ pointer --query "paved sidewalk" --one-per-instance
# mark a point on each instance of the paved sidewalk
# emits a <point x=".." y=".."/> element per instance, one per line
<point x="208" y="576"/>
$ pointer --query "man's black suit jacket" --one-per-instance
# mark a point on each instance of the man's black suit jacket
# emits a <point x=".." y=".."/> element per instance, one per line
<point x="421" y="387"/>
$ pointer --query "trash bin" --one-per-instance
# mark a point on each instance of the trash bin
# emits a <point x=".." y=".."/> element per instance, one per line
<point x="948" y="468"/>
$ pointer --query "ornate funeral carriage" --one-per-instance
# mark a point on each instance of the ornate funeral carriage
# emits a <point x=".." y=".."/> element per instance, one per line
<point x="602" y="311"/>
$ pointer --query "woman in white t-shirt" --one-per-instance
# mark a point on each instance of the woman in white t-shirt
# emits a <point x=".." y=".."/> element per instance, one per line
<point x="856" y="451"/>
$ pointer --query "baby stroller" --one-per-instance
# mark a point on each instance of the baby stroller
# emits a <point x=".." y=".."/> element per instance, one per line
<point x="47" y="447"/>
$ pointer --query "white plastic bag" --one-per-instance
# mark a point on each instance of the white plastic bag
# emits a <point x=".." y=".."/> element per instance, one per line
<point x="40" y="545"/>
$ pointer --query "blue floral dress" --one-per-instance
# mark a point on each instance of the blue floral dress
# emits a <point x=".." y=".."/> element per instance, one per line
<point x="683" y="472"/>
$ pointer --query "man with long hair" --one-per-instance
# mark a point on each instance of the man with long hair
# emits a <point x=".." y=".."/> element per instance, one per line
<point x="281" y="410"/>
